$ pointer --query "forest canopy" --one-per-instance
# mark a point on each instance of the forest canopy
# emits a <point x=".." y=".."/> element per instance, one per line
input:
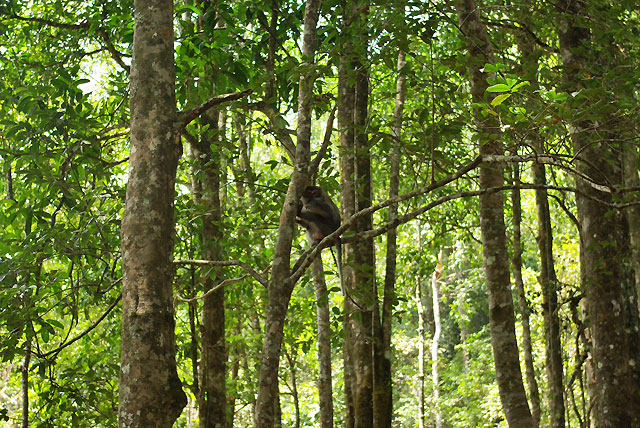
<point x="483" y="155"/>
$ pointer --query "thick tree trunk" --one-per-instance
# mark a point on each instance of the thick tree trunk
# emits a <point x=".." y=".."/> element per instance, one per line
<point x="267" y="413"/>
<point x="532" y="384"/>
<point x="150" y="389"/>
<point x="611" y="299"/>
<point x="501" y="316"/>
<point x="631" y="168"/>
<point x="325" y="388"/>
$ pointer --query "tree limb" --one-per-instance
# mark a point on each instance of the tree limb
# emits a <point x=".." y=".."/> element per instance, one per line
<point x="185" y="117"/>
<point x="258" y="277"/>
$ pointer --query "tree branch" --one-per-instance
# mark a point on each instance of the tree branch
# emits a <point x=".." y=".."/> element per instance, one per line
<point x="117" y="56"/>
<point x="84" y="333"/>
<point x="257" y="276"/>
<point x="315" y="164"/>
<point x="184" y="118"/>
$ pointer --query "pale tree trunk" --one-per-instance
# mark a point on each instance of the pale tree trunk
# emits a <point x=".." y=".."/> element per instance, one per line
<point x="611" y="299"/>
<point x="150" y="389"/>
<point x="532" y="383"/>
<point x="325" y="389"/>
<point x="501" y="316"/>
<point x="435" y="343"/>
<point x="267" y="413"/>
<point x="464" y="328"/>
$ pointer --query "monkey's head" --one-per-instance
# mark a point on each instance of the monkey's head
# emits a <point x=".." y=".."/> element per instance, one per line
<point x="311" y="192"/>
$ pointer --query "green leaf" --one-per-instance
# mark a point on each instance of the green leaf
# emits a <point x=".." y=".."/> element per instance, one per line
<point x="500" y="87"/>
<point x="499" y="99"/>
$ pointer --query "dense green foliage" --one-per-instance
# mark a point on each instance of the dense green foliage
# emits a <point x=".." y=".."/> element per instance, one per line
<point x="64" y="147"/>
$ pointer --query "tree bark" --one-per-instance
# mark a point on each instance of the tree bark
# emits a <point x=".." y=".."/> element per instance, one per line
<point x="325" y="388"/>
<point x="501" y="316"/>
<point x="213" y="411"/>
<point x="532" y="384"/>
<point x="24" y="369"/>
<point x="280" y="288"/>
<point x="364" y="290"/>
<point x="611" y="299"/>
<point x="150" y="389"/>
<point x="435" y="343"/>
<point x="383" y="404"/>
<point x="421" y="349"/>
<point x="631" y="168"/>
<point x="346" y="96"/>
<point x="549" y="284"/>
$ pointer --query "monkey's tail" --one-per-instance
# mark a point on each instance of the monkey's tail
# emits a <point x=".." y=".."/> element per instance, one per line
<point x="338" y="262"/>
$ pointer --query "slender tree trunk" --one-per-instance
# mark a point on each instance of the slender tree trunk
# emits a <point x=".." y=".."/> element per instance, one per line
<point x="8" y="177"/>
<point x="383" y="403"/>
<point x="532" y="384"/>
<point x="608" y="283"/>
<point x="26" y="362"/>
<point x="421" y="349"/>
<point x="364" y="290"/>
<point x="346" y="97"/>
<point x="150" y="389"/>
<point x="294" y="388"/>
<point x="267" y="413"/>
<point x="549" y="284"/>
<point x="325" y="389"/>
<point x="235" y="368"/>
<point x="501" y="316"/>
<point x="464" y="327"/>
<point x="435" y="343"/>
<point x="213" y="396"/>
<point x="193" y="333"/>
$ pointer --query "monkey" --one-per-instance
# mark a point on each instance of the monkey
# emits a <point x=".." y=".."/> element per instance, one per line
<point x="320" y="217"/>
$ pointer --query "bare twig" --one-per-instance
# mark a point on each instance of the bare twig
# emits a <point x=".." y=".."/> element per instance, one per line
<point x="257" y="276"/>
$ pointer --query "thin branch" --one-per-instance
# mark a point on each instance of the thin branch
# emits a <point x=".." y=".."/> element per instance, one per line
<point x="257" y="276"/>
<point x="117" y="56"/>
<point x="550" y="160"/>
<point x="213" y="289"/>
<point x="522" y="28"/>
<point x="84" y="333"/>
<point x="308" y="256"/>
<point x="184" y="118"/>
<point x="305" y="260"/>
<point x="313" y="169"/>
<point x="219" y="286"/>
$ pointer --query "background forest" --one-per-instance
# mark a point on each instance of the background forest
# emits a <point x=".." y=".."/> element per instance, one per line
<point x="484" y="156"/>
